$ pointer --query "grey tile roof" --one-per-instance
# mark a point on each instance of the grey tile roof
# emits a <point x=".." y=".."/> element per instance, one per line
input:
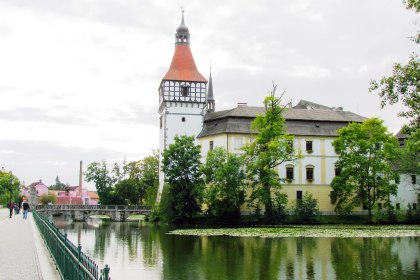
<point x="315" y="122"/>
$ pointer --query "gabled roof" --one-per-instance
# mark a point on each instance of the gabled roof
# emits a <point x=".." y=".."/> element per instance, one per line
<point x="33" y="185"/>
<point x="183" y="66"/>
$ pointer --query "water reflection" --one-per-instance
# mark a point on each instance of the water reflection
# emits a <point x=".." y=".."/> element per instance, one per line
<point x="137" y="250"/>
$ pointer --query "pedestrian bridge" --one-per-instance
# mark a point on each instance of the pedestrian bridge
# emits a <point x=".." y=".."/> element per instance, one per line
<point x="117" y="213"/>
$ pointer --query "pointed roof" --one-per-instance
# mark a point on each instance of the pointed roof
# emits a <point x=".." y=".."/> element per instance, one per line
<point x="210" y="96"/>
<point x="183" y="66"/>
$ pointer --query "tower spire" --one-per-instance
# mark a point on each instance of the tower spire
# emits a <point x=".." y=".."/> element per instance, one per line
<point x="182" y="35"/>
<point x="210" y="98"/>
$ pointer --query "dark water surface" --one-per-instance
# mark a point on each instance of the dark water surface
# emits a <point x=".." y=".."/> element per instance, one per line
<point x="139" y="250"/>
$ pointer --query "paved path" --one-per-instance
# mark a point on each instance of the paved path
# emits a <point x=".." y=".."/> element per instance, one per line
<point x="23" y="254"/>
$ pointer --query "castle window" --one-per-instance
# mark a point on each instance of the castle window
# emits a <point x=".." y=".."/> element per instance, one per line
<point x="310" y="173"/>
<point x="183" y="119"/>
<point x="211" y="145"/>
<point x="413" y="179"/>
<point x="299" y="195"/>
<point x="337" y="170"/>
<point x="309" y="146"/>
<point x="289" y="173"/>
<point x="160" y="119"/>
<point x="238" y="143"/>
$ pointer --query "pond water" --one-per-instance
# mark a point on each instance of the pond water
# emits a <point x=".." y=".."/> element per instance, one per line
<point x="140" y="250"/>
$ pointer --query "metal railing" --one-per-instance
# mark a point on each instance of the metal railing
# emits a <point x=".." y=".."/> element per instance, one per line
<point x="92" y="207"/>
<point x="71" y="262"/>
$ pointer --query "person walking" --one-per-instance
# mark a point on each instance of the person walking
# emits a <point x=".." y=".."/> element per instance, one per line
<point x="26" y="208"/>
<point x="11" y="207"/>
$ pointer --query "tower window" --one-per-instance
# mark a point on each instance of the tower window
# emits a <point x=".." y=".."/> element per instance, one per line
<point x="211" y="145"/>
<point x="413" y="179"/>
<point x="309" y="146"/>
<point x="184" y="91"/>
<point x="183" y="119"/>
<point x="160" y="119"/>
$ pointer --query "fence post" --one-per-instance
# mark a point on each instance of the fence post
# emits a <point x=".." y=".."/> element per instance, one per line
<point x="79" y="250"/>
<point x="65" y="256"/>
<point x="105" y="273"/>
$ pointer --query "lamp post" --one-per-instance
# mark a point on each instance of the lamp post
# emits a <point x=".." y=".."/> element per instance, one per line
<point x="11" y="187"/>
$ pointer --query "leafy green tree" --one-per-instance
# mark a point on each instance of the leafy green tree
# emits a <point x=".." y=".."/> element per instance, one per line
<point x="224" y="192"/>
<point x="98" y="173"/>
<point x="9" y="183"/>
<point x="410" y="156"/>
<point x="271" y="147"/>
<point x="367" y="153"/>
<point x="404" y="83"/>
<point x="181" y="165"/>
<point x="59" y="186"/>
<point x="306" y="208"/>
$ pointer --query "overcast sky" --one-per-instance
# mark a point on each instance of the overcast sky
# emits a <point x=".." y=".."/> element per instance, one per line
<point x="79" y="79"/>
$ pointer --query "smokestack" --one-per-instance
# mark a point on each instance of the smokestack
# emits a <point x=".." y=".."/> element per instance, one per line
<point x="81" y="178"/>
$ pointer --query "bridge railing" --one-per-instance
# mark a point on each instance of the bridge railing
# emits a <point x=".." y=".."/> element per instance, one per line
<point x="71" y="262"/>
<point x="92" y="207"/>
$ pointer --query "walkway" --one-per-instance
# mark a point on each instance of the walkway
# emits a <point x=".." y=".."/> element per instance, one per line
<point x="23" y="253"/>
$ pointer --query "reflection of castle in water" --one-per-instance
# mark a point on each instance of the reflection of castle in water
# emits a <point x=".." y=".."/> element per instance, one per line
<point x="140" y="250"/>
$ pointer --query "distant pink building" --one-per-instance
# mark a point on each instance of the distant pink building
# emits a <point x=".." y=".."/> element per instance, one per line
<point x="70" y="195"/>
<point x="34" y="191"/>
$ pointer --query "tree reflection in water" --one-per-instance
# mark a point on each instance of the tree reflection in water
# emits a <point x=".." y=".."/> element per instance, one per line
<point x="138" y="250"/>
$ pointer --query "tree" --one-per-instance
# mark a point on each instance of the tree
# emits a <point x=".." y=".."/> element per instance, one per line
<point x="181" y="164"/>
<point x="224" y="192"/>
<point x="410" y="156"/>
<point x="404" y="83"/>
<point x="148" y="177"/>
<point x="142" y="182"/>
<point x="9" y="184"/>
<point x="271" y="147"/>
<point x="133" y="182"/>
<point x="97" y="172"/>
<point x="59" y="186"/>
<point x="367" y="152"/>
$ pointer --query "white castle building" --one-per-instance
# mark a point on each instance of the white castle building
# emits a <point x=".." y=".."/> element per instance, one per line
<point x="187" y="107"/>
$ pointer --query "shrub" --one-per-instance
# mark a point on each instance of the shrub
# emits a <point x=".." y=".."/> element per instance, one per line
<point x="306" y="209"/>
<point x="48" y="198"/>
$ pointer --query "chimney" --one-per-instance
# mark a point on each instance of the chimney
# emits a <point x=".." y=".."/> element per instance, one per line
<point x="81" y="178"/>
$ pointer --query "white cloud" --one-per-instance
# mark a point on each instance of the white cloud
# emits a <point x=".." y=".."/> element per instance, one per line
<point x="310" y="71"/>
<point x="80" y="81"/>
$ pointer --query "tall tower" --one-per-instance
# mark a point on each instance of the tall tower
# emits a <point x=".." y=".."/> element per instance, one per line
<point x="182" y="96"/>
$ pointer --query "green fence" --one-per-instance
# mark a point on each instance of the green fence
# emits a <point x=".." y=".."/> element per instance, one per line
<point x="71" y="262"/>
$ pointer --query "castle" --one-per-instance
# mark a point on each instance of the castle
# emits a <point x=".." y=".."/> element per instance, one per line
<point x="187" y="107"/>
